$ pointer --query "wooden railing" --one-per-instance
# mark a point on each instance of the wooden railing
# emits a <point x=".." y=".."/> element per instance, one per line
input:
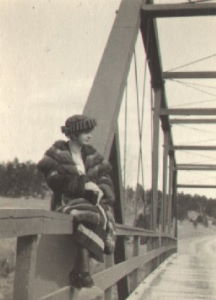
<point x="31" y="226"/>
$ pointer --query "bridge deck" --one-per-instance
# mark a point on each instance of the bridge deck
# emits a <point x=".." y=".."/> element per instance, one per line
<point x="188" y="275"/>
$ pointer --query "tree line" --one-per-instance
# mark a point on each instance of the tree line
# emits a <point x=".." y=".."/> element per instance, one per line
<point x="138" y="201"/>
<point x="22" y="179"/>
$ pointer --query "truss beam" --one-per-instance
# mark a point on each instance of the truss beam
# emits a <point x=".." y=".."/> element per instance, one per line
<point x="196" y="186"/>
<point x="189" y="147"/>
<point x="196" y="167"/>
<point x="190" y="75"/>
<point x="179" y="10"/>
<point x="189" y="111"/>
<point x="192" y="121"/>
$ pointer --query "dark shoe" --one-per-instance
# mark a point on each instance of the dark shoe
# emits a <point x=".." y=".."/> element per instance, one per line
<point x="80" y="280"/>
<point x="85" y="279"/>
<point x="74" y="280"/>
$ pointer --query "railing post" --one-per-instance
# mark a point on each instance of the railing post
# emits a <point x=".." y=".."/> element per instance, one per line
<point x="25" y="267"/>
<point x="149" y="266"/>
<point x="167" y="243"/>
<point x="152" y="244"/>
<point x="163" y="243"/>
<point x="135" y="275"/>
<point x="109" y="262"/>
<point x="157" y="245"/>
<point x="160" y="244"/>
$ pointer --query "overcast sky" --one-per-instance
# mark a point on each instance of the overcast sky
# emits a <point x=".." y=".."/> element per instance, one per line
<point x="50" y="51"/>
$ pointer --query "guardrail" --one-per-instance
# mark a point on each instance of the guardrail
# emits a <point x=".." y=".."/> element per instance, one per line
<point x="29" y="225"/>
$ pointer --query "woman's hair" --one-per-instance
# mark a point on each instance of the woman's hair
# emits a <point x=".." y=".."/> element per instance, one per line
<point x="78" y="124"/>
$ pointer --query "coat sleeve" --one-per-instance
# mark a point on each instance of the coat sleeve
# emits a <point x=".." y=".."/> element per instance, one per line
<point x="100" y="171"/>
<point x="105" y="182"/>
<point x="60" y="181"/>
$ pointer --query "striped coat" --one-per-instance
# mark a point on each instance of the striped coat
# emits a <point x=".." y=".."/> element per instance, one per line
<point x="93" y="223"/>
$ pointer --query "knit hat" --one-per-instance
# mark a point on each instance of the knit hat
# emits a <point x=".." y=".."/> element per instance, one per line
<point x="77" y="124"/>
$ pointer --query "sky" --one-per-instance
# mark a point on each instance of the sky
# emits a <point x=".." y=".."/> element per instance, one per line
<point x="50" y="51"/>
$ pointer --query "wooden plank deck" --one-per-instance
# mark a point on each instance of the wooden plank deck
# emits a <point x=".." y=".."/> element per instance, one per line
<point x="188" y="275"/>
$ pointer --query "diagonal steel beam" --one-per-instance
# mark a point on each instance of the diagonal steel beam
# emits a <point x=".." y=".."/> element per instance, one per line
<point x="106" y="93"/>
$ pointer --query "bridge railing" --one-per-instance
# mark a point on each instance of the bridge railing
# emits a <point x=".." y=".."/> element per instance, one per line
<point x="28" y="225"/>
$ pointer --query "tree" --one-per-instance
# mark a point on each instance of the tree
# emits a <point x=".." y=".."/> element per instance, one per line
<point x="21" y="179"/>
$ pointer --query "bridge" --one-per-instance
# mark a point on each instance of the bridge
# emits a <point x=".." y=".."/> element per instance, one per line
<point x="45" y="249"/>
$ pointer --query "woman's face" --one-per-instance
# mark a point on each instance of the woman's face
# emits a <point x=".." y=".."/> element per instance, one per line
<point x="84" y="138"/>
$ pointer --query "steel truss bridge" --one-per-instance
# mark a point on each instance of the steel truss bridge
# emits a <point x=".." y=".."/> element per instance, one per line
<point x="45" y="249"/>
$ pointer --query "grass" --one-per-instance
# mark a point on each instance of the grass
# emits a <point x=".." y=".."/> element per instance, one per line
<point x="24" y="203"/>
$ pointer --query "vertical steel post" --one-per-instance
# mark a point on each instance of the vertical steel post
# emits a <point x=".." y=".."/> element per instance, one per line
<point x="155" y="154"/>
<point x="135" y="274"/>
<point x="120" y="253"/>
<point x="170" y="196"/>
<point x="175" y="203"/>
<point x="165" y="165"/>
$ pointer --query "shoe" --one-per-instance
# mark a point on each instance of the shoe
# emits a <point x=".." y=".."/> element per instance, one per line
<point x="74" y="280"/>
<point x="85" y="279"/>
<point x="79" y="280"/>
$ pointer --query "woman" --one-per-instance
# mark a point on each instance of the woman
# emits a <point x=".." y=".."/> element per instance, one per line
<point x="80" y="179"/>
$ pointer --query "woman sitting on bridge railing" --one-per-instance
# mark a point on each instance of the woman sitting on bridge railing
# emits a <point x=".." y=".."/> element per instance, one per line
<point x="80" y="179"/>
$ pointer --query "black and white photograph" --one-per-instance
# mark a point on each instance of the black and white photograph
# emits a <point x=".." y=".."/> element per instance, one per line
<point x="108" y="149"/>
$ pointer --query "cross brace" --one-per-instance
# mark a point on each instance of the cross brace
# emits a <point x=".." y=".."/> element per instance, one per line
<point x="196" y="167"/>
<point x="203" y="186"/>
<point x="192" y="121"/>
<point x="186" y="75"/>
<point x="189" y="147"/>
<point x="179" y="10"/>
<point x="189" y="111"/>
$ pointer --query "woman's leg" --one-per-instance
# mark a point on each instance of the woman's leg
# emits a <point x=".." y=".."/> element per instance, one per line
<point x="83" y="260"/>
<point x="80" y="276"/>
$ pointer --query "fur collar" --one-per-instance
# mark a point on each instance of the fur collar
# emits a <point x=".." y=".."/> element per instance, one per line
<point x="60" y="152"/>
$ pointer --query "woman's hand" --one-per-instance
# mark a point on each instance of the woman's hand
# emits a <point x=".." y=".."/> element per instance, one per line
<point x="91" y="186"/>
<point x="95" y="188"/>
